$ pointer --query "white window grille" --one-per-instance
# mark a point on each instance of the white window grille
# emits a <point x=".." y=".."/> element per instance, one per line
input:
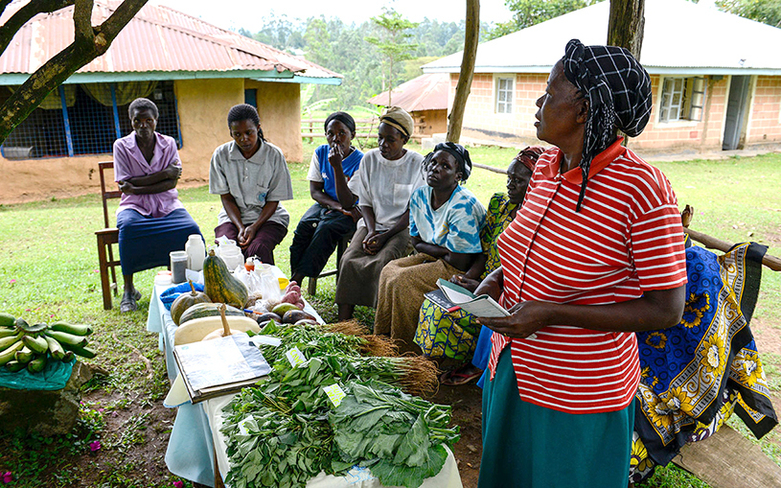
<point x="505" y="93"/>
<point x="682" y="99"/>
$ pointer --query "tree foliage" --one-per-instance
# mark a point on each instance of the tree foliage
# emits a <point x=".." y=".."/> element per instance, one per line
<point x="393" y="43"/>
<point x="341" y="47"/>
<point x="765" y="11"/>
<point x="527" y="13"/>
<point x="90" y="41"/>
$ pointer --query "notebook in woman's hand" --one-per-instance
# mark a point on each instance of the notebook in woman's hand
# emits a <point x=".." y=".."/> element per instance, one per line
<point x="479" y="306"/>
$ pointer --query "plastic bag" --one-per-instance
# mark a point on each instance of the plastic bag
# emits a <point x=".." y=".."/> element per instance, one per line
<point x="260" y="281"/>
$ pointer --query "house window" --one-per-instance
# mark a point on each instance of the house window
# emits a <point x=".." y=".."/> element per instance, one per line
<point x="505" y="92"/>
<point x="87" y="119"/>
<point x="682" y="99"/>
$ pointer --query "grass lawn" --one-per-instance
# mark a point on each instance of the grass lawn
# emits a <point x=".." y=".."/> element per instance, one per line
<point x="48" y="271"/>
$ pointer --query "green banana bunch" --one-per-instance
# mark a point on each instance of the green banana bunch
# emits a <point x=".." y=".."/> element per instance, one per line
<point x="31" y="346"/>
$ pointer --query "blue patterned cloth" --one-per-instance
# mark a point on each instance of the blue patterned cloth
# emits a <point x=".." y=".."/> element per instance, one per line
<point x="695" y="374"/>
<point x="172" y="293"/>
<point x="455" y="225"/>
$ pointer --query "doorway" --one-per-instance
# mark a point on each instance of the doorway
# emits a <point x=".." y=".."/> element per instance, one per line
<point x="737" y="104"/>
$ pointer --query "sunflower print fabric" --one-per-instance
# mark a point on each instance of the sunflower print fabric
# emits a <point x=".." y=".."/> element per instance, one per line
<point x="696" y="374"/>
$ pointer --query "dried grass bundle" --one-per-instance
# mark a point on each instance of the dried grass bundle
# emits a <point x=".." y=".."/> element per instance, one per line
<point x="348" y="327"/>
<point x="420" y="375"/>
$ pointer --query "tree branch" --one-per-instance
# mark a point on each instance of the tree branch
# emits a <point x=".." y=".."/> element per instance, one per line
<point x="3" y="5"/>
<point x="59" y="68"/>
<point x="82" y="22"/>
<point x="23" y="15"/>
<point x="464" y="85"/>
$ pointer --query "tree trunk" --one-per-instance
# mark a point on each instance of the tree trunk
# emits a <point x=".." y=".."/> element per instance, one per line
<point x="89" y="43"/>
<point x="626" y="24"/>
<point x="467" y="70"/>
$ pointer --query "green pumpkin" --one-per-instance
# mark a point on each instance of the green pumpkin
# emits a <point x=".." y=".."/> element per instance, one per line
<point x="221" y="285"/>
<point x="207" y="310"/>
<point x="187" y="300"/>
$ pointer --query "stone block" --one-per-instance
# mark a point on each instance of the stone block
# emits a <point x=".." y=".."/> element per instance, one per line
<point x="47" y="412"/>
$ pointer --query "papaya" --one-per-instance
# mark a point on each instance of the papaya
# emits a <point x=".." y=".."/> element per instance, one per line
<point x="282" y="308"/>
<point x="220" y="284"/>
<point x="187" y="300"/>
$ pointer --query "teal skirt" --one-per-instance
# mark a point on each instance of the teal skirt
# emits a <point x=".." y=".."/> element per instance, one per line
<point x="528" y="446"/>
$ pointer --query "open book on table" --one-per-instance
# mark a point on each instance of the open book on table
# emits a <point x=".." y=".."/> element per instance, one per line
<point x="220" y="366"/>
<point x="479" y="306"/>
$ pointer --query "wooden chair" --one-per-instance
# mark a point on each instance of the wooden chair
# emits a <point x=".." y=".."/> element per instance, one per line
<point x="107" y="237"/>
<point x="341" y="247"/>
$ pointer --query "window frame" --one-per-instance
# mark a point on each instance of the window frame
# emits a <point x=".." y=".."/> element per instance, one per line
<point x="498" y="91"/>
<point x="689" y="106"/>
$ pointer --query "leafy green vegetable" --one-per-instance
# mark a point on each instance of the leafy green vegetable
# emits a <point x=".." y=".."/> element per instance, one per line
<point x="400" y="436"/>
<point x="283" y="432"/>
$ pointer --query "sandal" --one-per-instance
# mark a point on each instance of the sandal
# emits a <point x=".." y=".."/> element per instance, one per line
<point x="460" y="376"/>
<point x="129" y="304"/>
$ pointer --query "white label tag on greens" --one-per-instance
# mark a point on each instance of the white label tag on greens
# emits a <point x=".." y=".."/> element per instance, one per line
<point x="295" y="357"/>
<point x="335" y="394"/>
<point x="265" y="340"/>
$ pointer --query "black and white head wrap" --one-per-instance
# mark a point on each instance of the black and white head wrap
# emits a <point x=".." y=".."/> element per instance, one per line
<point x="458" y="152"/>
<point x="618" y="90"/>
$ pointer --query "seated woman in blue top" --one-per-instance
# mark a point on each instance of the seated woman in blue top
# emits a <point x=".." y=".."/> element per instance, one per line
<point x="326" y="222"/>
<point x="444" y="222"/>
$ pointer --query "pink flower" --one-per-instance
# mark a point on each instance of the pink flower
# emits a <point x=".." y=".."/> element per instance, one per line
<point x="7" y="477"/>
<point x="94" y="446"/>
<point x="178" y="484"/>
<point x="11" y="282"/>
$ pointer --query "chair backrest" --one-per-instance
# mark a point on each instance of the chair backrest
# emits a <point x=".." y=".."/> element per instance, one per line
<point x="104" y="193"/>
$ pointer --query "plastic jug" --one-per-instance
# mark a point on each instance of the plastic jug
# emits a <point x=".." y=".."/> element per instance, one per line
<point x="231" y="254"/>
<point x="196" y="252"/>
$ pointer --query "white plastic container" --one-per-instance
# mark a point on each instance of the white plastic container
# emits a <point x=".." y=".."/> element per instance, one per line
<point x="231" y="254"/>
<point x="196" y="252"/>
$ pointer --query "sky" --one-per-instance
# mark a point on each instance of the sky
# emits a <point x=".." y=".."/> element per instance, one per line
<point x="248" y="14"/>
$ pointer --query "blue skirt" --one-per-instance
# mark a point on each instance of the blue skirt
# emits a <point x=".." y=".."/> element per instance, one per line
<point x="144" y="242"/>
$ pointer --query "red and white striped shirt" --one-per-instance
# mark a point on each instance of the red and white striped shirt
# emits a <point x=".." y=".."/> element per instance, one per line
<point x="626" y="239"/>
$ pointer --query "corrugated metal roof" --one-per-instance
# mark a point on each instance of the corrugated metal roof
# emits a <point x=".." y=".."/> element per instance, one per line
<point x="679" y="36"/>
<point x="158" y="38"/>
<point x="426" y="92"/>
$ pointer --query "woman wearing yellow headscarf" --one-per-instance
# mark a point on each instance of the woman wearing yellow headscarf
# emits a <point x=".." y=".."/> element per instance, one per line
<point x="381" y="189"/>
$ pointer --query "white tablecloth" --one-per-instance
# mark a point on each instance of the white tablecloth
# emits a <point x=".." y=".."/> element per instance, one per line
<point x="190" y="453"/>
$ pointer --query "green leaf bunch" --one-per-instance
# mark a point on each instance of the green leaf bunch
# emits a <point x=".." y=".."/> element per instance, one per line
<point x="398" y="436"/>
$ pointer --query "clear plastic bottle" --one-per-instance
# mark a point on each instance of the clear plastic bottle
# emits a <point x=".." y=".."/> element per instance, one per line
<point x="196" y="252"/>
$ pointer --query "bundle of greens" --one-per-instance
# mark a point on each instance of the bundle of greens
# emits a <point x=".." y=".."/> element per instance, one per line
<point x="399" y="437"/>
<point x="314" y="340"/>
<point x="278" y="433"/>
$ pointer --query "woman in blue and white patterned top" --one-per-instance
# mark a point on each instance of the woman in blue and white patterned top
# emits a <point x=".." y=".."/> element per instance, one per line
<point x="445" y="222"/>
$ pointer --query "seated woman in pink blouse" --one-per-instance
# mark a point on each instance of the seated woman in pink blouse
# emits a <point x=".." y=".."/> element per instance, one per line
<point x="151" y="220"/>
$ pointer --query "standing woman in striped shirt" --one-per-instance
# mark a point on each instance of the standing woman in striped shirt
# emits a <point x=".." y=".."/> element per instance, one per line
<point x="595" y="254"/>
